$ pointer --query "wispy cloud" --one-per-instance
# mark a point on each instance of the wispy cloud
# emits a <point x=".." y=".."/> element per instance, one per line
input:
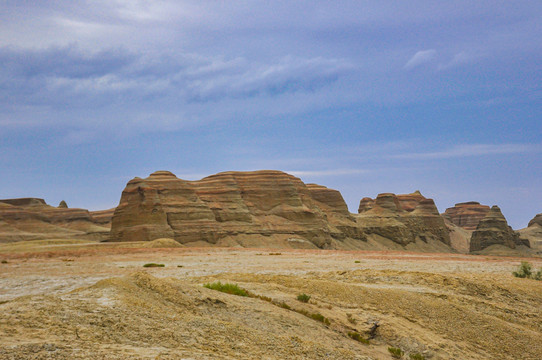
<point x="421" y="57"/>
<point x="470" y="150"/>
<point x="332" y="172"/>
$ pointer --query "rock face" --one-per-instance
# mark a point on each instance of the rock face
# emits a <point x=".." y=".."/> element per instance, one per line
<point x="403" y="219"/>
<point x="467" y="214"/>
<point x="537" y="220"/>
<point x="32" y="219"/>
<point x="232" y="208"/>
<point x="494" y="229"/>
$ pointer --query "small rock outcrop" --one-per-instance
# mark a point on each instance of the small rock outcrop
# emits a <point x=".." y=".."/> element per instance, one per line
<point x="62" y="205"/>
<point x="403" y="219"/>
<point x="466" y="215"/>
<point x="533" y="233"/>
<point x="233" y="208"/>
<point x="537" y="220"/>
<point x="493" y="229"/>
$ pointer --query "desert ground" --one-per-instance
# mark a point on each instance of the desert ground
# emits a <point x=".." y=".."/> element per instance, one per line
<point x="64" y="299"/>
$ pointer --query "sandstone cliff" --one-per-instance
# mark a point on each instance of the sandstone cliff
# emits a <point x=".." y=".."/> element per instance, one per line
<point x="32" y="219"/>
<point x="403" y="219"/>
<point x="493" y="229"/>
<point x="467" y="214"/>
<point x="233" y="209"/>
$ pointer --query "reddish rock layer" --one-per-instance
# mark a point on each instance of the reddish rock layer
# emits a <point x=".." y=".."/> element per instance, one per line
<point x="467" y="215"/>
<point x="231" y="205"/>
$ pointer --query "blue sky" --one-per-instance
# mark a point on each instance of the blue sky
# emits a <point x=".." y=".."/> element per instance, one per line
<point x="361" y="96"/>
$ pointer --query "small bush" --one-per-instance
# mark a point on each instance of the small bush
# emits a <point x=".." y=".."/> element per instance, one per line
<point x="416" y="356"/>
<point x="227" y="288"/>
<point x="350" y="319"/>
<point x="357" y="262"/>
<point x="153" y="265"/>
<point x="303" y="298"/>
<point x="357" y="336"/>
<point x="396" y="353"/>
<point x="275" y="253"/>
<point x="538" y="275"/>
<point x="524" y="270"/>
<point x="4" y="261"/>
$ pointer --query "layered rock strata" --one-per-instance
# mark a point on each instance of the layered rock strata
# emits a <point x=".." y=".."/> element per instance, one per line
<point x="403" y="219"/>
<point x="466" y="215"/>
<point x="32" y="219"/>
<point x="493" y="229"/>
<point x="232" y="207"/>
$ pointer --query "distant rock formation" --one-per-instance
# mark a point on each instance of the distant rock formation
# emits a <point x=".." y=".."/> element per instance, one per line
<point x="103" y="217"/>
<point x="403" y="219"/>
<point x="466" y="214"/>
<point x="493" y="229"/>
<point x="32" y="219"/>
<point x="533" y="233"/>
<point x="62" y="205"/>
<point x="233" y="208"/>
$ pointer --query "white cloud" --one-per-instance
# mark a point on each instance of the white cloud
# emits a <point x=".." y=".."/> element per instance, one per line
<point x="469" y="150"/>
<point x="421" y="57"/>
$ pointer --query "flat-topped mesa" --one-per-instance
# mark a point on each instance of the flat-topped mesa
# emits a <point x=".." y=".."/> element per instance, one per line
<point x="404" y="219"/>
<point x="493" y="229"/>
<point x="329" y="197"/>
<point x="232" y="208"/>
<point x="466" y="215"/>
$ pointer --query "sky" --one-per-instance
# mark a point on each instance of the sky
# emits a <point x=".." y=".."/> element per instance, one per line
<point x="364" y="97"/>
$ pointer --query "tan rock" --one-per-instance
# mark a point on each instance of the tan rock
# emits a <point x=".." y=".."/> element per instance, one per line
<point x="403" y="219"/>
<point x="493" y="229"/>
<point x="230" y="206"/>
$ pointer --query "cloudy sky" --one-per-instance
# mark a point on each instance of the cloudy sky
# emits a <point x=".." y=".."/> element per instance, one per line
<point x="361" y="96"/>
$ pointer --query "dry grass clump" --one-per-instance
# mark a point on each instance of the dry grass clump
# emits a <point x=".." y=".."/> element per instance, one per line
<point x="303" y="298"/>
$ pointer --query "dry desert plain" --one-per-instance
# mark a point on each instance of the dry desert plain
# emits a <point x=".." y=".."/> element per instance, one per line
<point x="69" y="299"/>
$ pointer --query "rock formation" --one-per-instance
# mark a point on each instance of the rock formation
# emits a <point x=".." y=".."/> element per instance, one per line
<point x="537" y="220"/>
<point x="493" y="229"/>
<point x="62" y="205"/>
<point x="403" y="219"/>
<point x="233" y="208"/>
<point x="467" y="214"/>
<point x="533" y="233"/>
<point x="32" y="219"/>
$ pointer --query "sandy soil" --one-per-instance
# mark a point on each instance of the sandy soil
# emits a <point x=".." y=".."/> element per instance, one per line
<point x="77" y="300"/>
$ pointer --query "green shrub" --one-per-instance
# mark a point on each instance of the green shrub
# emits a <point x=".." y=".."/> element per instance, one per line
<point x="153" y="265"/>
<point x="416" y="356"/>
<point x="524" y="270"/>
<point x="303" y="298"/>
<point x="396" y="353"/>
<point x="357" y="336"/>
<point x="227" y="288"/>
<point x="284" y="305"/>
<point x="320" y="317"/>
<point x="538" y="275"/>
<point x="357" y="262"/>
